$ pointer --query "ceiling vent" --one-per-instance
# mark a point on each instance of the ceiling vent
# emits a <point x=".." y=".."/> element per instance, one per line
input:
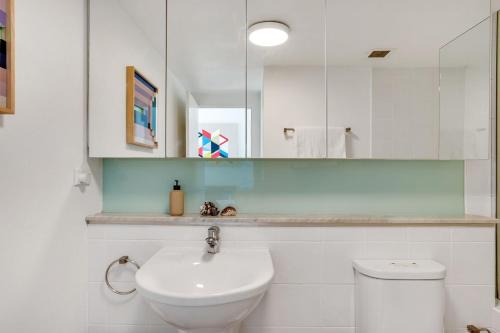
<point x="379" y="54"/>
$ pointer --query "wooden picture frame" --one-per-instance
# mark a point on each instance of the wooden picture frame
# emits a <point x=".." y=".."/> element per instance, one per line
<point x="7" y="58"/>
<point x="141" y="110"/>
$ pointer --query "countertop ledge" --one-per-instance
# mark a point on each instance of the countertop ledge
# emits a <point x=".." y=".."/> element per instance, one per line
<point x="282" y="220"/>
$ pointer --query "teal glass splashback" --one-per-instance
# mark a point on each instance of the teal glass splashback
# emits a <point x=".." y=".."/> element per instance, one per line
<point x="363" y="187"/>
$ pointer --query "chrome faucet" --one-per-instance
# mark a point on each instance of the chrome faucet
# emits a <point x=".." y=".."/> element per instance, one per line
<point x="213" y="239"/>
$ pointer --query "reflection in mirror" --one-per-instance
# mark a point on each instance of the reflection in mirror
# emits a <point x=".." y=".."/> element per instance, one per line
<point x="465" y="95"/>
<point x="286" y="82"/>
<point x="206" y="79"/>
<point x="316" y="78"/>
<point x="383" y="73"/>
<point x="126" y="33"/>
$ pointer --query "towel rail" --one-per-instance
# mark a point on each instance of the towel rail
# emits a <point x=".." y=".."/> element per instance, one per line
<point x="288" y="130"/>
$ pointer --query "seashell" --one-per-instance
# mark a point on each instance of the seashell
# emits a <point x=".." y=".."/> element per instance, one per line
<point x="209" y="209"/>
<point x="228" y="211"/>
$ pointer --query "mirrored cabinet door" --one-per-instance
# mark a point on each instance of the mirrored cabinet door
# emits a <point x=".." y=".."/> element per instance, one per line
<point x="127" y="75"/>
<point x="286" y="78"/>
<point x="206" y="98"/>
<point x="465" y="95"/>
<point x="301" y="79"/>
<point x="383" y="75"/>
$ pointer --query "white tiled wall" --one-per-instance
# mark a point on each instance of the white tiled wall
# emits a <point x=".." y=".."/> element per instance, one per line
<point x="405" y="113"/>
<point x="313" y="288"/>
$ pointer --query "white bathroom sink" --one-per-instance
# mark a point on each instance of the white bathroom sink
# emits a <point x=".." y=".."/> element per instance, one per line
<point x="194" y="290"/>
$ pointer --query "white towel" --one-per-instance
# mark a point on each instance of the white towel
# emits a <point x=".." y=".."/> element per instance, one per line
<point x="310" y="142"/>
<point x="336" y="142"/>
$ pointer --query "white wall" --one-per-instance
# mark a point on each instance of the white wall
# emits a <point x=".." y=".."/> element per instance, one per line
<point x="43" y="238"/>
<point x="115" y="43"/>
<point x="313" y="288"/>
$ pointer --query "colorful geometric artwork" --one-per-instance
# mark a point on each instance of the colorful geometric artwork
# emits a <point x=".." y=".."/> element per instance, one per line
<point x="141" y="110"/>
<point x="212" y="145"/>
<point x="6" y="58"/>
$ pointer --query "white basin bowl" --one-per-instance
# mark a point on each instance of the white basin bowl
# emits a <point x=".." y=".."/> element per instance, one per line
<point x="199" y="292"/>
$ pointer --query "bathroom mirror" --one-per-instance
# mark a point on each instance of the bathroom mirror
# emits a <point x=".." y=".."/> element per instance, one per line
<point x="292" y="78"/>
<point x="206" y="113"/>
<point x="383" y="73"/>
<point x="465" y="95"/>
<point x="286" y="82"/>
<point x="127" y="107"/>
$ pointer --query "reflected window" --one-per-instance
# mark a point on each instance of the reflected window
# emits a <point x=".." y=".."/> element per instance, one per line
<point x="219" y="132"/>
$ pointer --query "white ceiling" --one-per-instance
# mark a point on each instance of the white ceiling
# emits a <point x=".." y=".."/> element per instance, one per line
<point x="207" y="38"/>
<point x="415" y="30"/>
<point x="206" y="44"/>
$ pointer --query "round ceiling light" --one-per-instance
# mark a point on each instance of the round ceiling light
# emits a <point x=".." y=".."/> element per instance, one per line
<point x="268" y="33"/>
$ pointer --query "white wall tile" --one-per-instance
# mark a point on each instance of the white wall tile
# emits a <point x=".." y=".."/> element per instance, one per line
<point x="474" y="263"/>
<point x="97" y="231"/>
<point x="125" y="310"/>
<point x="469" y="304"/>
<point x="156" y="232"/>
<point x="297" y="330"/>
<point x="97" y="305"/>
<point x="271" y="234"/>
<point x="288" y="305"/>
<point x="161" y="329"/>
<point x="479" y="205"/>
<point x="478" y="178"/>
<point x="386" y="250"/>
<point x="426" y="234"/>
<point x="473" y="234"/>
<point x="495" y="315"/>
<point x="337" y="262"/>
<point x="391" y="234"/>
<point x="337" y="305"/>
<point x="98" y="259"/>
<point x="97" y="329"/>
<point x="297" y="262"/>
<point x="127" y="329"/>
<point x="343" y="234"/>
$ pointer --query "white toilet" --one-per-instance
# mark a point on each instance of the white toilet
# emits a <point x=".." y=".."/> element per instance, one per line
<point x="394" y="296"/>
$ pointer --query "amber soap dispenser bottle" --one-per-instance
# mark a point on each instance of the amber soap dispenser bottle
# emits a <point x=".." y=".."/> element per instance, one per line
<point x="177" y="200"/>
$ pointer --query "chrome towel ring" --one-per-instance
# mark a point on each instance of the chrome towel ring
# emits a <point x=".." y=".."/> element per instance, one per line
<point x="122" y="261"/>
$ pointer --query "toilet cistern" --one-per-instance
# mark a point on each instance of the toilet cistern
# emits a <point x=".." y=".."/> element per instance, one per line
<point x="213" y="240"/>
<point x="395" y="296"/>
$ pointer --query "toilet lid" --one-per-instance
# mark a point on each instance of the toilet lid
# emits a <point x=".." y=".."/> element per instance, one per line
<point x="401" y="269"/>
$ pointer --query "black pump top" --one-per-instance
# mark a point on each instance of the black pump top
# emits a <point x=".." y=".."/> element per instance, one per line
<point x="177" y="187"/>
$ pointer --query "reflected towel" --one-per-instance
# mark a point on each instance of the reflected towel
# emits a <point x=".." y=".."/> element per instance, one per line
<point x="310" y="142"/>
<point x="336" y="142"/>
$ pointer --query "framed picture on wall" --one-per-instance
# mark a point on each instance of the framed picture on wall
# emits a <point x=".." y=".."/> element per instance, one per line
<point x="141" y="110"/>
<point x="7" y="97"/>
